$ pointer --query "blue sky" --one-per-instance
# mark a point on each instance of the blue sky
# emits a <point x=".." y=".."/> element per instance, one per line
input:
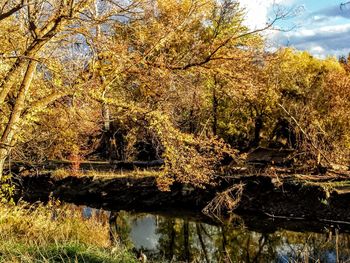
<point x="321" y="27"/>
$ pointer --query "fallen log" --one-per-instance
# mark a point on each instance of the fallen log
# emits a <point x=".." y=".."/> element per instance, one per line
<point x="18" y="166"/>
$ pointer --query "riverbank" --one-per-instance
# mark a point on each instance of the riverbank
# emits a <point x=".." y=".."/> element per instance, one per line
<point x="322" y="198"/>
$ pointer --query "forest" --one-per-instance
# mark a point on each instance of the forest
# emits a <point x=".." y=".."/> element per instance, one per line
<point x="183" y="85"/>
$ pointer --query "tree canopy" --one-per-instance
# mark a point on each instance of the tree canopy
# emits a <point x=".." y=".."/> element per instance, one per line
<point x="184" y="81"/>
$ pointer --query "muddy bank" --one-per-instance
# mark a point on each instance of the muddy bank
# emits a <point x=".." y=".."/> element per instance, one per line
<point x="261" y="195"/>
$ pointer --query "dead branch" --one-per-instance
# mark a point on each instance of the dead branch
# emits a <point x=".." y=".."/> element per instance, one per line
<point x="305" y="134"/>
<point x="224" y="201"/>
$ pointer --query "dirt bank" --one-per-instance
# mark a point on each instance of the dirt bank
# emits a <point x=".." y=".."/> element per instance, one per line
<point x="298" y="197"/>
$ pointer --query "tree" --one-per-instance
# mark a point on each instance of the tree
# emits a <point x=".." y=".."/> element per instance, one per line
<point x="139" y="63"/>
<point x="40" y="28"/>
<point x="303" y="87"/>
<point x="160" y="63"/>
<point x="39" y="55"/>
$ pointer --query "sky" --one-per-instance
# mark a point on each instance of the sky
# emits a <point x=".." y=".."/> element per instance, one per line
<point x="321" y="27"/>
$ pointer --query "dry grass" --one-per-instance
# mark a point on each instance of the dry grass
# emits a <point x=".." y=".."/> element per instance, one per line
<point x="53" y="234"/>
<point x="27" y="224"/>
<point x="137" y="173"/>
<point x="63" y="173"/>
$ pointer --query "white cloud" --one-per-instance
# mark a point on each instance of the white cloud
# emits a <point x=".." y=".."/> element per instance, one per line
<point x="317" y="51"/>
<point x="257" y="11"/>
<point x="320" y="41"/>
<point x="321" y="33"/>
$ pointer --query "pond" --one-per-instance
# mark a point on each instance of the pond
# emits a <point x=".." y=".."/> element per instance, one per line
<point x="184" y="237"/>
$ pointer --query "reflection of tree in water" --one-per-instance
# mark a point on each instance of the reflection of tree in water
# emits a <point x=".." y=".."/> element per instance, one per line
<point x="120" y="228"/>
<point x="188" y="241"/>
<point x="174" y="242"/>
<point x="314" y="247"/>
<point x="182" y="240"/>
<point x="197" y="242"/>
<point x="242" y="245"/>
<point x="185" y="240"/>
<point x="178" y="240"/>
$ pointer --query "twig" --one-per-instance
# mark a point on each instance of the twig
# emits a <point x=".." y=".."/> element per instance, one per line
<point x="302" y="218"/>
<point x="306" y="135"/>
<point x="335" y="221"/>
<point x="284" y="217"/>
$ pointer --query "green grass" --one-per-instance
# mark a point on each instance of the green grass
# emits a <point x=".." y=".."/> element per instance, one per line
<point x="62" y="252"/>
<point x="54" y="234"/>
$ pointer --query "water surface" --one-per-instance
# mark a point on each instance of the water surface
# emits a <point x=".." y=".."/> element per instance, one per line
<point x="187" y="238"/>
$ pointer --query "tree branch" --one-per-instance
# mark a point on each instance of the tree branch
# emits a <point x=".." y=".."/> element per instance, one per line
<point x="12" y="11"/>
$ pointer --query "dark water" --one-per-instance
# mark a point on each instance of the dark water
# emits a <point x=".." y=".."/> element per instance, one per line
<point x="187" y="238"/>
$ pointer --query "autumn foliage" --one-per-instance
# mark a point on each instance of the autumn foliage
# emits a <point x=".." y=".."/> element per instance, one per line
<point x="184" y="81"/>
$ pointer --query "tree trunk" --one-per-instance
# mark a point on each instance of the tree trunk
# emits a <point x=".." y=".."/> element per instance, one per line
<point x="106" y="118"/>
<point x="192" y="118"/>
<point x="11" y="76"/>
<point x="3" y="155"/>
<point x="9" y="80"/>
<point x="257" y="130"/>
<point x="12" y="125"/>
<point x="215" y="111"/>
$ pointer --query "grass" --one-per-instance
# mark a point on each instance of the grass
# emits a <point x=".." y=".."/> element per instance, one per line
<point x="54" y="234"/>
<point x="66" y="252"/>
<point x="137" y="173"/>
